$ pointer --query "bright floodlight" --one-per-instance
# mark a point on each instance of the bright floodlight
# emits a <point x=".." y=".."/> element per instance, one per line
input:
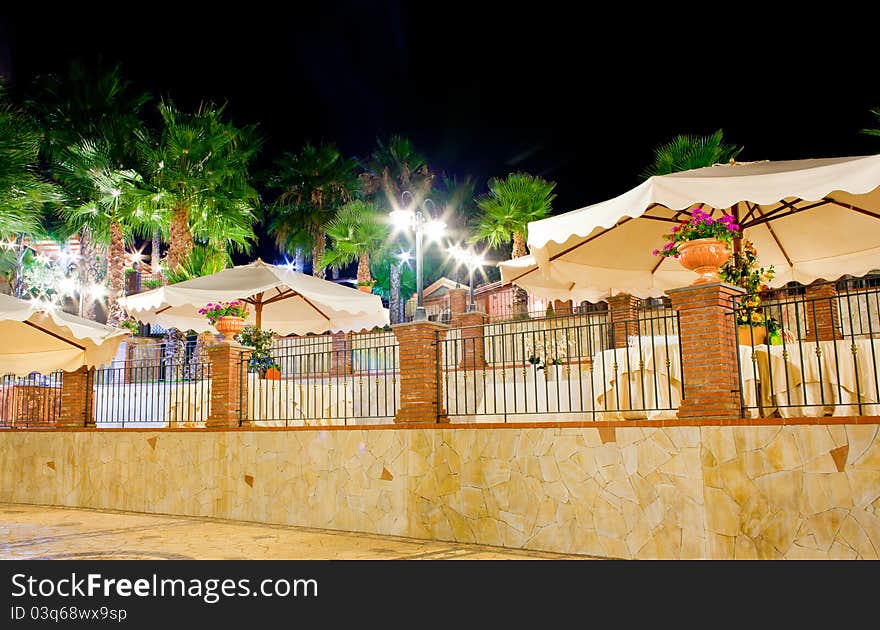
<point x="434" y="230"/>
<point x="97" y="292"/>
<point x="404" y="257"/>
<point x="67" y="286"/>
<point x="402" y="219"/>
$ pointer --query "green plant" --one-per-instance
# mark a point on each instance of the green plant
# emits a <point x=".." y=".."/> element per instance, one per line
<point x="700" y="225"/>
<point x="130" y="324"/>
<point x="742" y="270"/>
<point x="261" y="342"/>
<point x="213" y="312"/>
<point x="686" y="152"/>
<point x="152" y="283"/>
<point x="356" y="233"/>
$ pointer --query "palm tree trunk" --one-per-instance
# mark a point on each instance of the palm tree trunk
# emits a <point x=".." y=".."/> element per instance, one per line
<point x="156" y="256"/>
<point x="520" y="296"/>
<point x="115" y="274"/>
<point x="181" y="241"/>
<point x="394" y="302"/>
<point x="318" y="248"/>
<point x="298" y="260"/>
<point x="363" y="275"/>
<point x="88" y="270"/>
<point x="18" y="289"/>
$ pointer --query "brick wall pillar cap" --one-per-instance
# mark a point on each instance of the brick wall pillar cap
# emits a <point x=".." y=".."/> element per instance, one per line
<point x="709" y="285"/>
<point x="405" y="325"/>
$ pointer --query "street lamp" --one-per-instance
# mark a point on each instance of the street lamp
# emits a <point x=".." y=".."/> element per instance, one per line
<point x="473" y="261"/>
<point x="420" y="221"/>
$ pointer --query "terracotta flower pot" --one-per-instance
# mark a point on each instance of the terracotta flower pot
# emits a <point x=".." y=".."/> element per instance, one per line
<point x="704" y="256"/>
<point x="748" y="333"/>
<point x="272" y="374"/>
<point x="229" y="325"/>
<point x="365" y="288"/>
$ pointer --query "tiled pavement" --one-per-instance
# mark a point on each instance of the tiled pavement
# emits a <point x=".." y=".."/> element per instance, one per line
<point x="39" y="532"/>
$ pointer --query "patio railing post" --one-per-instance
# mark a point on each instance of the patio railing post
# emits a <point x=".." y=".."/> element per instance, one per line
<point x="623" y="308"/>
<point x="228" y="382"/>
<point x="708" y="351"/>
<point x="458" y="300"/>
<point x="473" y="352"/>
<point x="340" y="355"/>
<point x="419" y="380"/>
<point x="76" y="394"/>
<point x="822" y="312"/>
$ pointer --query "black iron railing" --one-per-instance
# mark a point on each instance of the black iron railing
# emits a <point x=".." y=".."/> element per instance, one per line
<point x="32" y="401"/>
<point x="580" y="367"/>
<point x="810" y="356"/>
<point x="154" y="393"/>
<point x="322" y="381"/>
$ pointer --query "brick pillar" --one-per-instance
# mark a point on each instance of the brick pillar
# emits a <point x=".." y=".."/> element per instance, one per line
<point x="340" y="356"/>
<point x="228" y="383"/>
<point x="473" y="347"/>
<point x="623" y="309"/>
<point x="419" y="400"/>
<point x="458" y="301"/>
<point x="708" y="350"/>
<point x="76" y="393"/>
<point x="821" y="315"/>
<point x="562" y="307"/>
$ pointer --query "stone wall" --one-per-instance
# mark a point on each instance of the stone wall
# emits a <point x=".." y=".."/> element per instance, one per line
<point x="629" y="490"/>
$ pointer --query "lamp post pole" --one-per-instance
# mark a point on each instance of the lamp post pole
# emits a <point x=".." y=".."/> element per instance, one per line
<point x="419" y="226"/>
<point x="472" y="307"/>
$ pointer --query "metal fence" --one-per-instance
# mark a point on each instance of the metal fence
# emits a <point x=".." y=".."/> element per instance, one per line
<point x="32" y="401"/>
<point x="152" y="393"/>
<point x="324" y="382"/>
<point x="581" y="367"/>
<point x="822" y="361"/>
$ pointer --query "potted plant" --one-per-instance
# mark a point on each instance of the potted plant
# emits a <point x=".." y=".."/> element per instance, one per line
<point x="742" y="270"/>
<point x="131" y="325"/>
<point x="366" y="287"/>
<point x="261" y="360"/>
<point x="701" y="244"/>
<point x="226" y="317"/>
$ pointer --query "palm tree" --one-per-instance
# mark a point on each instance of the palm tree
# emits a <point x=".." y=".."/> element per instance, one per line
<point x="356" y="233"/>
<point x="686" y="152"/>
<point x="505" y="212"/>
<point x="22" y="191"/>
<point x="198" y="168"/>
<point x="874" y="132"/>
<point x="106" y="200"/>
<point x="313" y="185"/>
<point x="90" y="102"/>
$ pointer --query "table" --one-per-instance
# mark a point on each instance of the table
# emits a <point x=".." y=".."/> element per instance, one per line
<point x="814" y="379"/>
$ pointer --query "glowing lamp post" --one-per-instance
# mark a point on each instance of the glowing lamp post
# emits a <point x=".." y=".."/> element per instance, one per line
<point x="473" y="261"/>
<point x="421" y="222"/>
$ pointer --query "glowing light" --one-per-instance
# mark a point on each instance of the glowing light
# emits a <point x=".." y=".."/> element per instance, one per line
<point x="135" y="257"/>
<point x="97" y="292"/>
<point x="434" y="229"/>
<point x="402" y="219"/>
<point x="404" y="257"/>
<point x="68" y="286"/>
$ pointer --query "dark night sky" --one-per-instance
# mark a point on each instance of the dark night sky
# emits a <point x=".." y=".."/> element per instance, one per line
<point x="486" y="90"/>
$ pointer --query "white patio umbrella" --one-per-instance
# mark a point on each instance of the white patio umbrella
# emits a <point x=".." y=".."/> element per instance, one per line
<point x="810" y="219"/>
<point x="282" y="300"/>
<point x="40" y="339"/>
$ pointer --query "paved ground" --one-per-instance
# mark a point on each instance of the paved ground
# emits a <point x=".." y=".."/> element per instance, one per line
<point x="51" y="533"/>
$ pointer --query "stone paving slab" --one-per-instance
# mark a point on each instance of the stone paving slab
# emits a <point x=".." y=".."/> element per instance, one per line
<point x="55" y="533"/>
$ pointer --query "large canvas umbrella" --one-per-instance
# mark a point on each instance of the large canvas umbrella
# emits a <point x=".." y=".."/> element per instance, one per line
<point x="39" y="339"/>
<point x="810" y="219"/>
<point x="280" y="299"/>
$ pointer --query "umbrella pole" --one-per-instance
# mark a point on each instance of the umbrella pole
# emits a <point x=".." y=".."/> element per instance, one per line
<point x="258" y="310"/>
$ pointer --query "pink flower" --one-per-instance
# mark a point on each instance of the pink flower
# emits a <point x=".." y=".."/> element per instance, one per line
<point x="655" y="252"/>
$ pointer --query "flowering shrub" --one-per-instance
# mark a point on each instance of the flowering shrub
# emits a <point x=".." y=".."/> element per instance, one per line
<point x="700" y="225"/>
<point x="130" y="324"/>
<point x="214" y="312"/>
<point x="261" y="341"/>
<point x="743" y="271"/>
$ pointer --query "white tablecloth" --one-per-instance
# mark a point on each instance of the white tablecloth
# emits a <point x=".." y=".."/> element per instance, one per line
<point x="799" y="381"/>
